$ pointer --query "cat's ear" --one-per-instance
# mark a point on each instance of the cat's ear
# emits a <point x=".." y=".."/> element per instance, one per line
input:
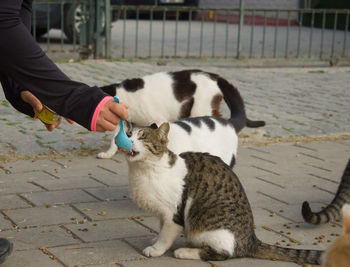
<point x="346" y="218"/>
<point x="163" y="131"/>
<point x="153" y="126"/>
<point x="128" y="127"/>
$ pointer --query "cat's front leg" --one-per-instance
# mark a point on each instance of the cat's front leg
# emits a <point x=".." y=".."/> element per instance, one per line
<point x="166" y="238"/>
<point x="113" y="148"/>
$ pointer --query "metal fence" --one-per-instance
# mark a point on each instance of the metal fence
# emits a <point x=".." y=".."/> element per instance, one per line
<point x="67" y="28"/>
<point x="159" y="31"/>
<point x="239" y="33"/>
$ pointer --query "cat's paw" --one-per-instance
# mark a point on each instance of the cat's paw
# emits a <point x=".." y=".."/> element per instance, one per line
<point x="104" y="155"/>
<point x="151" y="251"/>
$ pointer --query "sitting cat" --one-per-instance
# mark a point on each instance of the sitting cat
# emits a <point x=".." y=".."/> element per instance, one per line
<point x="170" y="96"/>
<point x="332" y="211"/>
<point x="216" y="136"/>
<point x="198" y="194"/>
<point x="338" y="254"/>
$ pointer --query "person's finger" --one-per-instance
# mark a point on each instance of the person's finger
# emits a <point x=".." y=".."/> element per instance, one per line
<point x="110" y="117"/>
<point x="69" y="120"/>
<point x="104" y="125"/>
<point x="120" y="110"/>
<point x="32" y="100"/>
<point x="51" y="127"/>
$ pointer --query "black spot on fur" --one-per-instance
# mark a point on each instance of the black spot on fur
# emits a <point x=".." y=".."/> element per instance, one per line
<point x="179" y="216"/>
<point x="233" y="161"/>
<point x="186" y="108"/>
<point x="222" y="121"/>
<point x="132" y="85"/>
<point x="184" y="126"/>
<point x="195" y="121"/>
<point x="209" y="254"/>
<point x="183" y="87"/>
<point x="209" y="123"/>
<point x="110" y="89"/>
<point x="153" y="126"/>
<point x="213" y="76"/>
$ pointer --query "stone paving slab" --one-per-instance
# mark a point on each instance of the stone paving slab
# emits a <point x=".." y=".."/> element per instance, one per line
<point x="110" y="210"/>
<point x="30" y="258"/>
<point x="100" y="226"/>
<point x="108" y="252"/>
<point x="46" y="236"/>
<point x="58" y="197"/>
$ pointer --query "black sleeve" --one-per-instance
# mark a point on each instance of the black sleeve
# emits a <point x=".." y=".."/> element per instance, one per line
<point x="23" y="61"/>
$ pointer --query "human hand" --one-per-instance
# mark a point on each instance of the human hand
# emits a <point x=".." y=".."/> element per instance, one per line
<point x="110" y="115"/>
<point x="36" y="104"/>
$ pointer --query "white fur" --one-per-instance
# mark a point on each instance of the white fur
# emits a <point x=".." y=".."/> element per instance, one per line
<point x="188" y="253"/>
<point x="221" y="240"/>
<point x="157" y="187"/>
<point x="153" y="103"/>
<point x="346" y="210"/>
<point x="157" y="190"/>
<point x="156" y="103"/>
<point x="203" y="98"/>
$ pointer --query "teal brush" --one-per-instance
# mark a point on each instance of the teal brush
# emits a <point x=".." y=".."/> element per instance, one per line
<point x="122" y="140"/>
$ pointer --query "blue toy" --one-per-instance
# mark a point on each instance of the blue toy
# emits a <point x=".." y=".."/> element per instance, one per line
<point x="122" y="140"/>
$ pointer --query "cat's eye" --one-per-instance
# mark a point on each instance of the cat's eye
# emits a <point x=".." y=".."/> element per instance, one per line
<point x="141" y="135"/>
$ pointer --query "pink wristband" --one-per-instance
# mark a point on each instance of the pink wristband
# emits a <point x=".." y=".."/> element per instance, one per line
<point x="97" y="112"/>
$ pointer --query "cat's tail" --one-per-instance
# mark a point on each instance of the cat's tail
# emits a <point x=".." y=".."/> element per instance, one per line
<point x="235" y="103"/>
<point x="255" y="124"/>
<point x="333" y="210"/>
<point x="300" y="256"/>
<point x="110" y="89"/>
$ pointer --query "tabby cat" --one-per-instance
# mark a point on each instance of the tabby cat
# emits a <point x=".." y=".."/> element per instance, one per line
<point x="170" y="96"/>
<point x="198" y="194"/>
<point x="332" y="211"/>
<point x="338" y="255"/>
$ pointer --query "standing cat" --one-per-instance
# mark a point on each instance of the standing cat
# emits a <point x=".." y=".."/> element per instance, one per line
<point x="170" y="96"/>
<point x="332" y="211"/>
<point x="338" y="255"/>
<point x="198" y="194"/>
<point x="216" y="136"/>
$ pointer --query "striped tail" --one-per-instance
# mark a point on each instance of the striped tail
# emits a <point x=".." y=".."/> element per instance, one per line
<point x="300" y="256"/>
<point x="333" y="210"/>
<point x="235" y="103"/>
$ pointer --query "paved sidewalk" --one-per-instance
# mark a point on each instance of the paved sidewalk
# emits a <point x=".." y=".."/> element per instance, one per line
<point x="63" y="207"/>
<point x="77" y="212"/>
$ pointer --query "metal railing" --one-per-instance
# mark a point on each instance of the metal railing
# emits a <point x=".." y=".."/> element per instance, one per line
<point x="85" y="27"/>
<point x="239" y="33"/>
<point x="69" y="27"/>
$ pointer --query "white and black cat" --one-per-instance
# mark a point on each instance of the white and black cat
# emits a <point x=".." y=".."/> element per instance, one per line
<point x="333" y="210"/>
<point x="170" y="96"/>
<point x="216" y="136"/>
<point x="199" y="195"/>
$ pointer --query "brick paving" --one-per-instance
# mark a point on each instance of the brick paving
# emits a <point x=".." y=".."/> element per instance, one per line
<point x="75" y="210"/>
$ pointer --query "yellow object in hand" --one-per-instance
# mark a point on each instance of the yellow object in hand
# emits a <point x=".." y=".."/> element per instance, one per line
<point x="47" y="115"/>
